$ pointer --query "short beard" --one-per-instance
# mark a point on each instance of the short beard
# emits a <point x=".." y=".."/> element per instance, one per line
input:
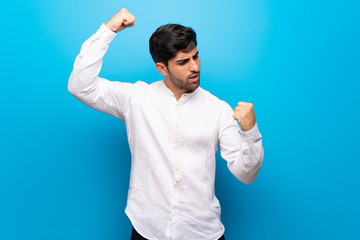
<point x="184" y="85"/>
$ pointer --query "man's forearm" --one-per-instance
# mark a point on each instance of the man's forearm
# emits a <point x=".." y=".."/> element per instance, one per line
<point x="84" y="76"/>
<point x="248" y="162"/>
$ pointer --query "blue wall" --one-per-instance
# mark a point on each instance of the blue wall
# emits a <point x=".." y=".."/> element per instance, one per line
<point x="64" y="168"/>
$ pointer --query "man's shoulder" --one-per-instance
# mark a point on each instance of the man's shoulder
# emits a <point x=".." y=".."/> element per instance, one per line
<point x="144" y="91"/>
<point x="211" y="97"/>
<point x="143" y="85"/>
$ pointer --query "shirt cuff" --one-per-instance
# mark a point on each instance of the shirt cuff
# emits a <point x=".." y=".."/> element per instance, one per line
<point x="105" y="34"/>
<point x="252" y="135"/>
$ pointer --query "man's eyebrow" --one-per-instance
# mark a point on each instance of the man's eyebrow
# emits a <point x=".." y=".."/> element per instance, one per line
<point x="182" y="60"/>
<point x="186" y="59"/>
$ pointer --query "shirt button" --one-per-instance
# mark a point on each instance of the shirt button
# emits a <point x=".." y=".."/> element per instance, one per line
<point x="245" y="152"/>
<point x="177" y="177"/>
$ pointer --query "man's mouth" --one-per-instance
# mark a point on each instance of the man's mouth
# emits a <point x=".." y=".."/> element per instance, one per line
<point x="194" y="78"/>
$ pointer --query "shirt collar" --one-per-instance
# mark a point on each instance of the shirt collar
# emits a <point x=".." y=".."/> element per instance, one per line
<point x="184" y="97"/>
<point x="166" y="89"/>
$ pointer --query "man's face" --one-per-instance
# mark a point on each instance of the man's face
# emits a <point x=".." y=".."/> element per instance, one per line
<point x="184" y="70"/>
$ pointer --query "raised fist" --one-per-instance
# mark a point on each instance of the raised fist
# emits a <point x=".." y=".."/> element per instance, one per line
<point x="120" y="21"/>
<point x="245" y="115"/>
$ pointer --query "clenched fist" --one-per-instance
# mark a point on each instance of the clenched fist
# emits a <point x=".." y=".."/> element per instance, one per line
<point x="245" y="115"/>
<point x="120" y="21"/>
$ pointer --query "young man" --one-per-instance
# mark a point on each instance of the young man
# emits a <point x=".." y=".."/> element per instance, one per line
<point x="174" y="128"/>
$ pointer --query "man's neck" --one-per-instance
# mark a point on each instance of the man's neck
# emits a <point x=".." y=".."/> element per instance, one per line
<point x="177" y="91"/>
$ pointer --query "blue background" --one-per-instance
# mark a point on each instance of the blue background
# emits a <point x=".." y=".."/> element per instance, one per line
<point x="64" y="168"/>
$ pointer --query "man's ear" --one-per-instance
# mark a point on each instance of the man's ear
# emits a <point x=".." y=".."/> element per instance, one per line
<point x="161" y="68"/>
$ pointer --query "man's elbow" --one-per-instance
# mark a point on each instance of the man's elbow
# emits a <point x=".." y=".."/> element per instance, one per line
<point x="255" y="168"/>
<point x="251" y="174"/>
<point x="249" y="180"/>
<point x="72" y="88"/>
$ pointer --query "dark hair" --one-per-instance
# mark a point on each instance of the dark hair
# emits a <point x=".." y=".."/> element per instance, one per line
<point x="168" y="39"/>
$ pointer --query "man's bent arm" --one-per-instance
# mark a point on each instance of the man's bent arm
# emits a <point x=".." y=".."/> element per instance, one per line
<point x="84" y="83"/>
<point x="243" y="152"/>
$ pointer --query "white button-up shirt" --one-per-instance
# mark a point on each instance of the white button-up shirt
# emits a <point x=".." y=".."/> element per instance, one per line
<point x="173" y="145"/>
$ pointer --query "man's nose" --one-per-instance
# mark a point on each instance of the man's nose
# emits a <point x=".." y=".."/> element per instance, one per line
<point x="195" y="66"/>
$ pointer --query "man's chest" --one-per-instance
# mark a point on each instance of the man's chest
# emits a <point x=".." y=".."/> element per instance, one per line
<point x="192" y="123"/>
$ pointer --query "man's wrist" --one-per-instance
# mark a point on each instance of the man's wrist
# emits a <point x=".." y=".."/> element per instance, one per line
<point x="105" y="34"/>
<point x="108" y="26"/>
<point x="251" y="135"/>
